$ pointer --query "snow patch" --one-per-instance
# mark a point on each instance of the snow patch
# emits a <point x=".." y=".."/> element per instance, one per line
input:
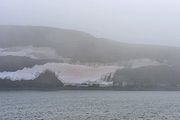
<point x="67" y="73"/>
<point x="137" y="63"/>
<point x="30" y="51"/>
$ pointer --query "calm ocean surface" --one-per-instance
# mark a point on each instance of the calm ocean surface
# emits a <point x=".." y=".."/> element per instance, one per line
<point x="89" y="105"/>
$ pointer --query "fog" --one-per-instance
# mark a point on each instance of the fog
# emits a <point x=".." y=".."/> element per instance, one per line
<point x="138" y="21"/>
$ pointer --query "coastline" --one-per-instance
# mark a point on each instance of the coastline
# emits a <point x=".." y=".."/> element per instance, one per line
<point x="90" y="88"/>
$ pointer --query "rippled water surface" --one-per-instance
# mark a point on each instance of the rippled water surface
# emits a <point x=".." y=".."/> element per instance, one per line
<point x="89" y="105"/>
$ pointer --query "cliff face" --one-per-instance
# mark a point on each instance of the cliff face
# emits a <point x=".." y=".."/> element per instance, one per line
<point x="47" y="79"/>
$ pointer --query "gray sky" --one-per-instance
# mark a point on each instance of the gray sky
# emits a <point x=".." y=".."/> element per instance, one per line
<point x="133" y="21"/>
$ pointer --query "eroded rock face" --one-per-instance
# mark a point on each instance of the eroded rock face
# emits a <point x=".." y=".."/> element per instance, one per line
<point x="47" y="79"/>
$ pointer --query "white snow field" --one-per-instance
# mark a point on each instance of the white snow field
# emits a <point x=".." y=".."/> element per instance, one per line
<point x="67" y="73"/>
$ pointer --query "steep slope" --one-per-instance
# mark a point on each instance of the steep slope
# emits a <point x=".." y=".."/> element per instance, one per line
<point x="46" y="79"/>
<point x="81" y="46"/>
<point x="147" y="77"/>
<point x="14" y="63"/>
<point x="67" y="73"/>
<point x="34" y="47"/>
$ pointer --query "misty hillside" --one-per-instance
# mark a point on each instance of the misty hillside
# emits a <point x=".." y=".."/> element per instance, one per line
<point x="77" y="58"/>
<point x="83" y="47"/>
<point x="14" y="63"/>
<point x="147" y="77"/>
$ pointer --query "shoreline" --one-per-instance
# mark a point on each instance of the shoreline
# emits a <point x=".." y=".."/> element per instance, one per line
<point x="90" y="89"/>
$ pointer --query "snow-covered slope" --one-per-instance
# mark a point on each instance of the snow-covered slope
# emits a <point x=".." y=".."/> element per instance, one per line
<point x="138" y="63"/>
<point x="67" y="73"/>
<point x="31" y="52"/>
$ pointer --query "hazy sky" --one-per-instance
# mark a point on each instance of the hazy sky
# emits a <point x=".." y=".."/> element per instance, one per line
<point x="133" y="21"/>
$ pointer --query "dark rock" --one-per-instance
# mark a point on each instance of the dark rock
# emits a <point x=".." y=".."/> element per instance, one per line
<point x="47" y="79"/>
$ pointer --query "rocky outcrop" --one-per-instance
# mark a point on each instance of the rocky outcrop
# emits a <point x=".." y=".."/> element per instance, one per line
<point x="47" y="79"/>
